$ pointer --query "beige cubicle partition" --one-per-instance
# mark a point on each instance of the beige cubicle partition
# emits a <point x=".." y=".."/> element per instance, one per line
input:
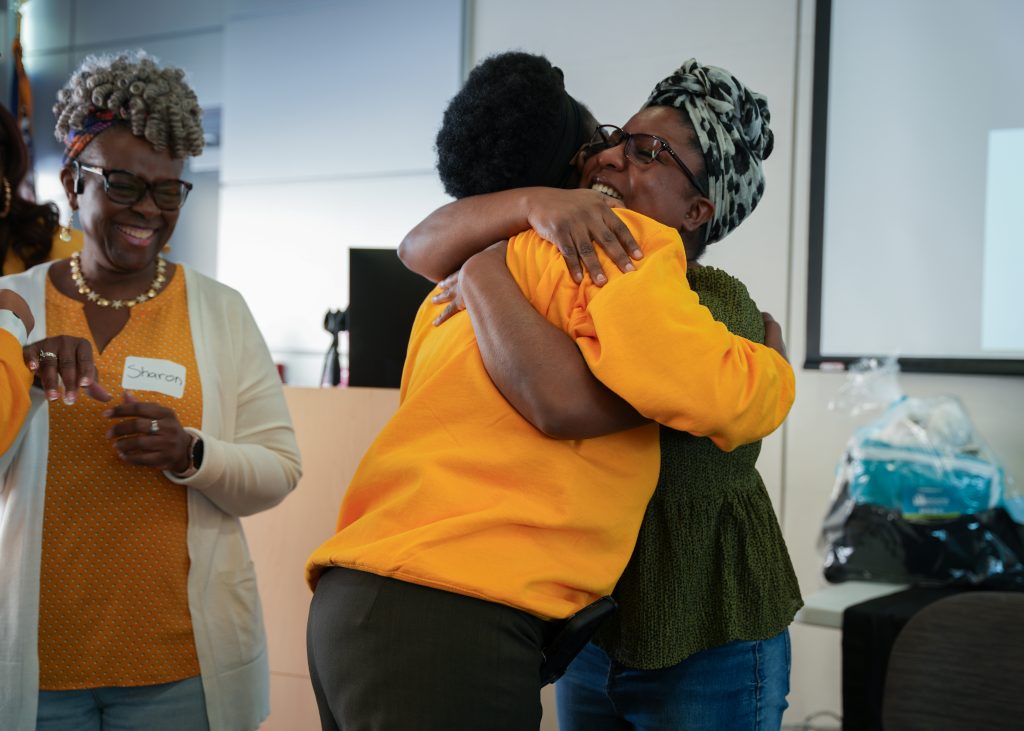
<point x="334" y="428"/>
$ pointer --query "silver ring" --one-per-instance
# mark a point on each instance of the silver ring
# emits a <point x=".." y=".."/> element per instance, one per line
<point x="154" y="426"/>
<point x="43" y="354"/>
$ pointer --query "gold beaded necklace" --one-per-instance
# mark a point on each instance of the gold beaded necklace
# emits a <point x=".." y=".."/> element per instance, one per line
<point x="96" y="298"/>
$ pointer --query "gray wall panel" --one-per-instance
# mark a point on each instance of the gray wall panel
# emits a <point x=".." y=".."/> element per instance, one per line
<point x="48" y="72"/>
<point x="342" y="89"/>
<point x="200" y="54"/>
<point x="99" y="22"/>
<point x="46" y="25"/>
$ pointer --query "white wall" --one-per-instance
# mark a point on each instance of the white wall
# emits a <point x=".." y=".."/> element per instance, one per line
<point x="330" y="114"/>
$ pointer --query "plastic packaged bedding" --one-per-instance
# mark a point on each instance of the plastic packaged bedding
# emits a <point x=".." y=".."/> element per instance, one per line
<point x="919" y="497"/>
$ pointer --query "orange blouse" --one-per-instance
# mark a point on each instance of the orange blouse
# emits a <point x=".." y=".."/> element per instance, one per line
<point x="114" y="607"/>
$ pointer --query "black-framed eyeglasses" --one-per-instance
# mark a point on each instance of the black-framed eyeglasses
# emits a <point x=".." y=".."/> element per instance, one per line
<point x="641" y="148"/>
<point x="127" y="188"/>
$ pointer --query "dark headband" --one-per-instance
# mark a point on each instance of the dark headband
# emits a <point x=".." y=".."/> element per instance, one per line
<point x="550" y="167"/>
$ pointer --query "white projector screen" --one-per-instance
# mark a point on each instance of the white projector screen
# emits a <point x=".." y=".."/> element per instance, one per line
<point x="917" y="242"/>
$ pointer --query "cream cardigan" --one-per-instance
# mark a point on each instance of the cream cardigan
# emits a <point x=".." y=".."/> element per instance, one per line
<point x="250" y="463"/>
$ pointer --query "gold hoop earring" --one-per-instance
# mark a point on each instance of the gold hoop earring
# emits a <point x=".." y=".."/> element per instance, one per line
<point x="65" y="231"/>
<point x="8" y="197"/>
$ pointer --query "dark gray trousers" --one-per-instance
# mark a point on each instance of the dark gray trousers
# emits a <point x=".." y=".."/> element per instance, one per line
<point x="387" y="655"/>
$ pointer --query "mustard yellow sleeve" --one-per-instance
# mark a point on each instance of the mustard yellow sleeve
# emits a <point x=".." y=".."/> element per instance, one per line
<point x="15" y="380"/>
<point x="646" y="336"/>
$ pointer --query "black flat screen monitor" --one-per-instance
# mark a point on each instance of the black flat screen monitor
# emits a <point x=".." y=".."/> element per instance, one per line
<point x="384" y="297"/>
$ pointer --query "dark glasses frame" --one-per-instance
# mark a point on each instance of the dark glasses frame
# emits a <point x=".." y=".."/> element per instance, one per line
<point x="602" y="140"/>
<point x="183" y="187"/>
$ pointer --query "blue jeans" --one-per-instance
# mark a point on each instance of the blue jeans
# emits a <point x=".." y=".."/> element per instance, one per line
<point x="179" y="706"/>
<point x="741" y="685"/>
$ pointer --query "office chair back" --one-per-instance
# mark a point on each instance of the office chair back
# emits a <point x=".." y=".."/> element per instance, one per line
<point x="958" y="664"/>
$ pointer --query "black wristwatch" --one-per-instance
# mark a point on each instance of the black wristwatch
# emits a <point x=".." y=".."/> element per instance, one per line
<point x="195" y="457"/>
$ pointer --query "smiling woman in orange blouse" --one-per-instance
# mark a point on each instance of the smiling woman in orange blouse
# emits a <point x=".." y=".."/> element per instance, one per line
<point x="130" y="595"/>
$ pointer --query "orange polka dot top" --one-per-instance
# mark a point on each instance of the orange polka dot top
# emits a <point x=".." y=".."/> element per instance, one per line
<point x="113" y="587"/>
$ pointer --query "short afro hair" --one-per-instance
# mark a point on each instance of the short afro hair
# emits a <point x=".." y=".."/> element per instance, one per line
<point x="507" y="127"/>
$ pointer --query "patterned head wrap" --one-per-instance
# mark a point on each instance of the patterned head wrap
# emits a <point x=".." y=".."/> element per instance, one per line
<point x="731" y="123"/>
<point x="78" y="139"/>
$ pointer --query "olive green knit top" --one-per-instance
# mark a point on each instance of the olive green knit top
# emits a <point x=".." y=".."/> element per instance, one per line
<point x="710" y="565"/>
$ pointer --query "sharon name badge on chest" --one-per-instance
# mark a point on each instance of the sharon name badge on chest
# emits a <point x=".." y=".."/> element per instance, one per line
<point x="153" y="374"/>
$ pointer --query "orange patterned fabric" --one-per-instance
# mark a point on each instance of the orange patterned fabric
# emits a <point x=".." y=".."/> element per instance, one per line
<point x="113" y="597"/>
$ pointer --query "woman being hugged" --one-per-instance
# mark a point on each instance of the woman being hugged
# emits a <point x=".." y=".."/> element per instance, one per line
<point x="700" y="638"/>
<point x="128" y="586"/>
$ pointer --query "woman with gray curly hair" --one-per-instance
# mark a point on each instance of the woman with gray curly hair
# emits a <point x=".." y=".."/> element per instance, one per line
<point x="128" y="591"/>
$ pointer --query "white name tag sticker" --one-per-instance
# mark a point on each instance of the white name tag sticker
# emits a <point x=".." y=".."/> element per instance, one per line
<point x="154" y="374"/>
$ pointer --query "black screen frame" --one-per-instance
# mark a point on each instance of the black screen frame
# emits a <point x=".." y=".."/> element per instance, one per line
<point x="814" y="358"/>
<point x="384" y="298"/>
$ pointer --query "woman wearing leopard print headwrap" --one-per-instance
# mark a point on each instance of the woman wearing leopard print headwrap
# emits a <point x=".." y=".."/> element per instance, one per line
<point x="700" y="638"/>
<point x="729" y="123"/>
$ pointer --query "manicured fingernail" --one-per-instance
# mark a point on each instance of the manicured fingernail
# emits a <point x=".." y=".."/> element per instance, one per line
<point x="69" y="398"/>
<point x="84" y="382"/>
<point x="52" y="395"/>
<point x="600" y="279"/>
<point x="33" y="366"/>
<point x="630" y="267"/>
<point x="637" y="254"/>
